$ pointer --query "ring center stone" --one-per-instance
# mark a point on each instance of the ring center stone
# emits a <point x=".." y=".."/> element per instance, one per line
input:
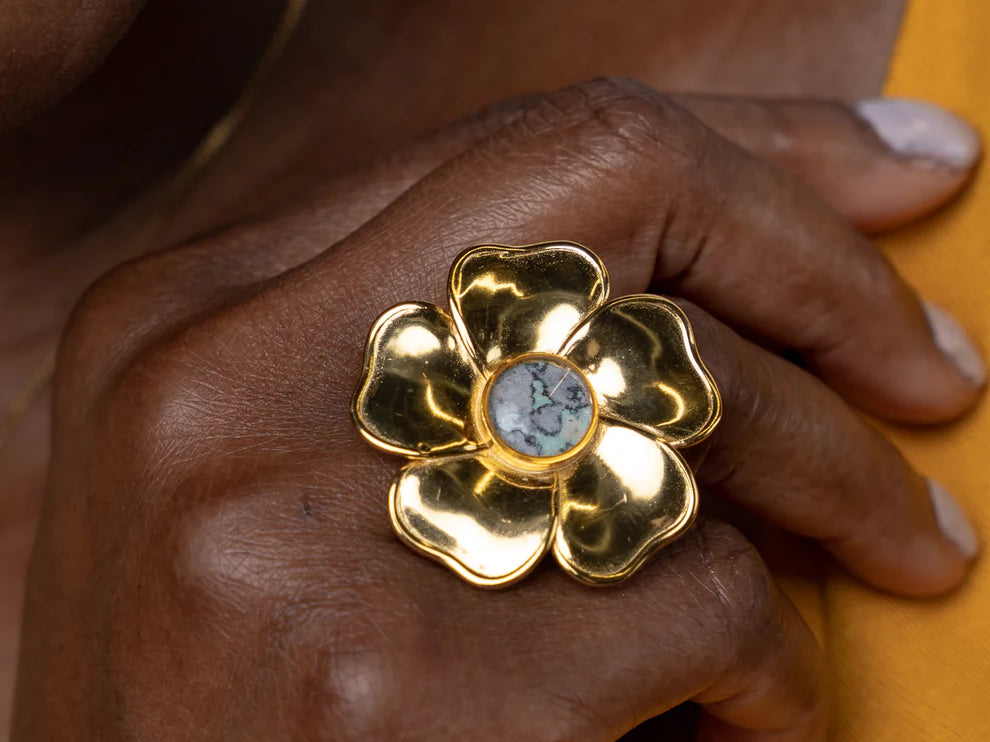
<point x="540" y="407"/>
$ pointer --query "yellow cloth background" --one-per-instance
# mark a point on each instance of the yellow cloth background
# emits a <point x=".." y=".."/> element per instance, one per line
<point x="916" y="670"/>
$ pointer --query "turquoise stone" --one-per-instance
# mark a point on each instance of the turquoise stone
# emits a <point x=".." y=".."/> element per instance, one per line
<point x="540" y="408"/>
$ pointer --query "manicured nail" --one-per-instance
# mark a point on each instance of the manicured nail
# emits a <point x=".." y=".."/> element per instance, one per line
<point x="955" y="344"/>
<point x="922" y="132"/>
<point x="952" y="521"/>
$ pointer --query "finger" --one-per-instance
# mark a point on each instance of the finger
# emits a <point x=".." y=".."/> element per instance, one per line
<point x="827" y="145"/>
<point x="840" y="151"/>
<point x="659" y="195"/>
<point x="789" y="449"/>
<point x="879" y="163"/>
<point x="868" y="336"/>
<point x="705" y="622"/>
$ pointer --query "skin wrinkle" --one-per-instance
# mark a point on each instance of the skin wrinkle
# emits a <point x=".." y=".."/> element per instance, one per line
<point x="194" y="390"/>
<point x="709" y="580"/>
<point x="678" y="256"/>
<point x="580" y="718"/>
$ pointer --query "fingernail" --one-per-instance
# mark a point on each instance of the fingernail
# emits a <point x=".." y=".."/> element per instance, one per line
<point x="952" y="521"/>
<point x="922" y="131"/>
<point x="955" y="344"/>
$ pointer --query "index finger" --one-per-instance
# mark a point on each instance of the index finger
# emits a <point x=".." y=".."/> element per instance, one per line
<point x="664" y="200"/>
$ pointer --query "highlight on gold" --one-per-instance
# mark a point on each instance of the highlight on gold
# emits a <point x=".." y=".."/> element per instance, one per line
<point x="538" y="416"/>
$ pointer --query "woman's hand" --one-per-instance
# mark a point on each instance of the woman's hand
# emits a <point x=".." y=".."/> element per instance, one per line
<point x="216" y="561"/>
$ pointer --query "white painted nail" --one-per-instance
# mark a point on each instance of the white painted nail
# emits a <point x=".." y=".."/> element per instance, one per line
<point x="922" y="132"/>
<point x="952" y="521"/>
<point x="955" y="344"/>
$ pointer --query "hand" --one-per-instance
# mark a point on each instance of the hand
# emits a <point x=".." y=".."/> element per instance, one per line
<point x="215" y="559"/>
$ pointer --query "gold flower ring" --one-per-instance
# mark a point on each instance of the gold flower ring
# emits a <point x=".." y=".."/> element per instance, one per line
<point x="537" y="416"/>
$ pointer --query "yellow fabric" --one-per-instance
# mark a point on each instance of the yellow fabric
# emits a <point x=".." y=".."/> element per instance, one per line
<point x="913" y="670"/>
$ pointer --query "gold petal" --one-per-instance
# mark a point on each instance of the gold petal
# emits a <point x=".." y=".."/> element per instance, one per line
<point x="513" y="300"/>
<point x="415" y="395"/>
<point x="639" y="355"/>
<point x="624" y="500"/>
<point x="489" y="530"/>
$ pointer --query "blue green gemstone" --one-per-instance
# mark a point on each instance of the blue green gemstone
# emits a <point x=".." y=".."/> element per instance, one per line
<point x="540" y="408"/>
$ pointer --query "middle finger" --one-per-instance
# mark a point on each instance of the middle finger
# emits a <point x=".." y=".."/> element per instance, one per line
<point x="789" y="449"/>
<point x="661" y="197"/>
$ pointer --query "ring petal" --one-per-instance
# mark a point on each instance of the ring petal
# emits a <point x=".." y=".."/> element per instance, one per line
<point x="624" y="500"/>
<point x="415" y="395"/>
<point x="513" y="300"/>
<point x="489" y="530"/>
<point x="639" y="355"/>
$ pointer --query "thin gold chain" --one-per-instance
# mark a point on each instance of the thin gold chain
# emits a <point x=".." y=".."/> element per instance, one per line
<point x="204" y="153"/>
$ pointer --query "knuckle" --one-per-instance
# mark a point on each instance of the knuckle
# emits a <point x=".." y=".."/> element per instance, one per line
<point x="240" y="550"/>
<point x="135" y="396"/>
<point x="621" y="140"/>
<point x="615" y="123"/>
<point x="335" y="645"/>
<point x="743" y="599"/>
<point x="93" y="324"/>
<point x="122" y="299"/>
<point x="184" y="391"/>
<point x="139" y="301"/>
<point x="360" y="681"/>
<point x="361" y="665"/>
<point x="194" y="404"/>
<point x="171" y="396"/>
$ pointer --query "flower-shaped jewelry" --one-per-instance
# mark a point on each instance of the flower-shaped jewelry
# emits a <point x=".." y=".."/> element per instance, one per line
<point x="537" y="416"/>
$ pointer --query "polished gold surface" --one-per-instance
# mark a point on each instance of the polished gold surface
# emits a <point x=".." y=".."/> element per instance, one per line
<point x="629" y="496"/>
<point x="464" y="512"/>
<point x="640" y="356"/>
<point x="489" y="512"/>
<point x="415" y="397"/>
<point x="513" y="300"/>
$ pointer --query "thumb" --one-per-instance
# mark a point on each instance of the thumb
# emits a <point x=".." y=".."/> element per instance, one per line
<point x="880" y="163"/>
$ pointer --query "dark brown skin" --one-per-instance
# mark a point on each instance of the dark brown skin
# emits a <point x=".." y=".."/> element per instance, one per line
<point x="214" y="560"/>
<point x="53" y="45"/>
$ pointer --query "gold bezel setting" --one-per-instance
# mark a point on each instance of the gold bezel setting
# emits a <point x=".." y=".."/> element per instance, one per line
<point x="506" y="453"/>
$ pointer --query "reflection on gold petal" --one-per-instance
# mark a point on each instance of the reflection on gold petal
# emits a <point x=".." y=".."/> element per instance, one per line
<point x="415" y="341"/>
<point x="490" y="530"/>
<point x="639" y="354"/>
<point x="624" y="500"/>
<point x="490" y="284"/>
<point x="607" y="378"/>
<point x="557" y="323"/>
<point x="618" y="449"/>
<point x="513" y="300"/>
<point x="416" y="393"/>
